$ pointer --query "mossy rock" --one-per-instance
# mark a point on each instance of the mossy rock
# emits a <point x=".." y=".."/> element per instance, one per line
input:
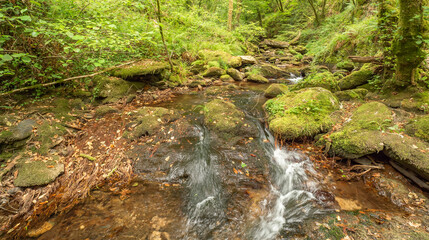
<point x="353" y="94"/>
<point x="77" y="104"/>
<point x="214" y="72"/>
<point x="223" y="58"/>
<point x="269" y="71"/>
<point x="357" y="78"/>
<point x="37" y="173"/>
<point x="21" y="131"/>
<point x="104" y="110"/>
<point x="7" y="120"/>
<point x="235" y="74"/>
<point x="349" y="66"/>
<point x="198" y="66"/>
<point x="257" y="78"/>
<point x="196" y="83"/>
<point x="146" y="70"/>
<point x="235" y="62"/>
<point x="275" y="89"/>
<point x="226" y="120"/>
<point x="300" y="49"/>
<point x="302" y="113"/>
<point x="324" y="79"/>
<point x="111" y="89"/>
<point x="362" y="135"/>
<point x="418" y="102"/>
<point x="419" y="127"/>
<point x="226" y="78"/>
<point x="149" y="120"/>
<point x="46" y="135"/>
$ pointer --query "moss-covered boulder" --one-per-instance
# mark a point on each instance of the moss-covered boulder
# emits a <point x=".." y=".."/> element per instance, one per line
<point x="21" y="131"/>
<point x="198" y="66"/>
<point x="418" y="102"/>
<point x="227" y="121"/>
<point x="352" y="94"/>
<point x="256" y="78"/>
<point x="419" y="127"/>
<point x="48" y="136"/>
<point x="357" y="78"/>
<point x="223" y="58"/>
<point x="37" y="173"/>
<point x="346" y="65"/>
<point x="196" y="83"/>
<point x="235" y="74"/>
<point x="111" y="89"/>
<point x="143" y="71"/>
<point x="248" y="60"/>
<point x="362" y="135"/>
<point x="226" y="78"/>
<point x="214" y="72"/>
<point x="275" y="89"/>
<point x="235" y="62"/>
<point x="302" y="113"/>
<point x="104" y="110"/>
<point x="270" y="71"/>
<point x="149" y="120"/>
<point x="300" y="49"/>
<point x="324" y="79"/>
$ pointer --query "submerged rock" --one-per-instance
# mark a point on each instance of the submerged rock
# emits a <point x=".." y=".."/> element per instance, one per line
<point x="37" y="173"/>
<point x="325" y="80"/>
<point x="302" y="113"/>
<point x="357" y="78"/>
<point x="275" y="89"/>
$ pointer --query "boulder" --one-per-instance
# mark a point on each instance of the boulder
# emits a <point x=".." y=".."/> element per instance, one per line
<point x="214" y="72"/>
<point x="143" y="71"/>
<point x="227" y="121"/>
<point x="49" y="134"/>
<point x="324" y="79"/>
<point x="349" y="66"/>
<point x="275" y="89"/>
<point x="418" y="102"/>
<point x="248" y="60"/>
<point x="37" y="173"/>
<point x="419" y="127"/>
<point x="352" y="94"/>
<point x="196" y="83"/>
<point x="235" y="62"/>
<point x="21" y="131"/>
<point x="302" y="113"/>
<point x="235" y="74"/>
<point x="226" y="78"/>
<point x="357" y="78"/>
<point x="274" y="43"/>
<point x="257" y="78"/>
<point x="111" y="89"/>
<point x="270" y="71"/>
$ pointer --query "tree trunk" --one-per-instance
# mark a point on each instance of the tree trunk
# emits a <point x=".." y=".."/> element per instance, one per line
<point x="408" y="44"/>
<point x="237" y="17"/>
<point x="162" y="35"/>
<point x="230" y="11"/>
<point x="259" y="17"/>
<point x="315" y="12"/>
<point x="323" y="9"/>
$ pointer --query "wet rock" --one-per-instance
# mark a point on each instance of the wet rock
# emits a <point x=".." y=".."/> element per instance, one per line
<point x="269" y="71"/>
<point x="419" y="127"/>
<point x="235" y="74"/>
<point x="353" y="94"/>
<point x="275" y="89"/>
<point x="324" y="79"/>
<point x="221" y="57"/>
<point x="143" y="71"/>
<point x="362" y="134"/>
<point x="248" y="60"/>
<point x="257" y="78"/>
<point x="104" y="110"/>
<point x="227" y="120"/>
<point x="34" y="233"/>
<point x="357" y="78"/>
<point x="37" y="173"/>
<point x="303" y="113"/>
<point x="214" y="72"/>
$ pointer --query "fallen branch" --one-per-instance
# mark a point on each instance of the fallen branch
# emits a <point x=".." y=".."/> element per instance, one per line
<point x="365" y="167"/>
<point x="9" y="166"/>
<point x="63" y="80"/>
<point x="294" y="41"/>
<point x="359" y="59"/>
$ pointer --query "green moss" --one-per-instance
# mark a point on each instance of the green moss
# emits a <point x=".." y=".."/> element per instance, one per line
<point x="333" y="232"/>
<point x="224" y="59"/>
<point x="324" y="79"/>
<point x="371" y="116"/>
<point x="353" y="94"/>
<point x="213" y="64"/>
<point x="303" y="113"/>
<point x="419" y="127"/>
<point x="417" y="102"/>
<point x="226" y="78"/>
<point x="357" y="78"/>
<point x="268" y="71"/>
<point x="257" y="78"/>
<point x="214" y="72"/>
<point x="5" y="136"/>
<point x="37" y="173"/>
<point x="142" y="68"/>
<point x="111" y="89"/>
<point x="275" y="89"/>
<point x="235" y="74"/>
<point x="47" y="134"/>
<point x="349" y="66"/>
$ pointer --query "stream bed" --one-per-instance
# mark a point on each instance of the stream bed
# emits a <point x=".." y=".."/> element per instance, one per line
<point x="195" y="186"/>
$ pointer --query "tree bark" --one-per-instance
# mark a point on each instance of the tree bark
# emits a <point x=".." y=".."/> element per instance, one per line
<point x="409" y="43"/>
<point x="162" y="35"/>
<point x="314" y="11"/>
<point x="230" y="11"/>
<point x="239" y="9"/>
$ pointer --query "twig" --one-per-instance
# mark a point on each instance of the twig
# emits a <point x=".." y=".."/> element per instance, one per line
<point x="365" y="167"/>
<point x="64" y="80"/>
<point x="9" y="166"/>
<point x="89" y="157"/>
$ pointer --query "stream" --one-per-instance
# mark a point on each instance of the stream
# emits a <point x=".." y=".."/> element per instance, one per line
<point x="250" y="189"/>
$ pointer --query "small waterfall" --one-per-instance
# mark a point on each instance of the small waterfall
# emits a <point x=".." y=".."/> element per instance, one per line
<point x="291" y="192"/>
<point x="295" y="79"/>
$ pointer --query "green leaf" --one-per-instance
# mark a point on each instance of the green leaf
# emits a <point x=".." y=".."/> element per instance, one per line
<point x="78" y="37"/>
<point x="7" y="57"/>
<point x="243" y="165"/>
<point x="25" y="18"/>
<point x="26" y="59"/>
